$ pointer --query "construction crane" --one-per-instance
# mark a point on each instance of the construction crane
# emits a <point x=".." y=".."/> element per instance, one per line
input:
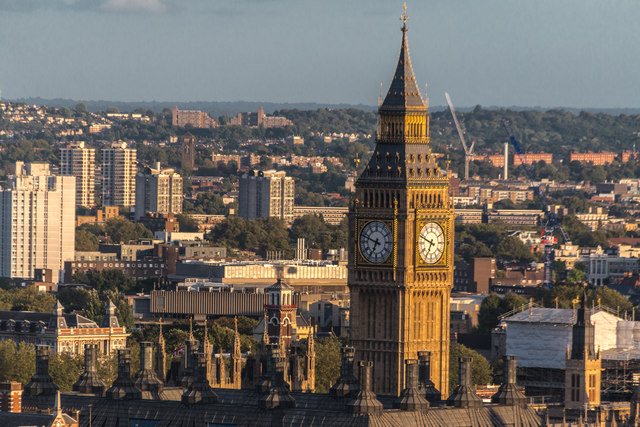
<point x="468" y="152"/>
<point x="552" y="223"/>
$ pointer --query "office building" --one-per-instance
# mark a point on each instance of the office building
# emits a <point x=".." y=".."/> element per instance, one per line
<point x="118" y="175"/>
<point x="37" y="221"/>
<point x="266" y="194"/>
<point x="159" y="191"/>
<point x="80" y="161"/>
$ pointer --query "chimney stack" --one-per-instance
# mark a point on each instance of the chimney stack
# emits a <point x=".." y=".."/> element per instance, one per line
<point x="509" y="393"/>
<point x="347" y="384"/>
<point x="265" y="383"/>
<point x="425" y="384"/>
<point x="188" y="364"/>
<point x="123" y="387"/>
<point x="411" y="399"/>
<point x="200" y="391"/>
<point x="89" y="381"/>
<point x="146" y="378"/>
<point x="278" y="396"/>
<point x="366" y="401"/>
<point x="41" y="383"/>
<point x="464" y="396"/>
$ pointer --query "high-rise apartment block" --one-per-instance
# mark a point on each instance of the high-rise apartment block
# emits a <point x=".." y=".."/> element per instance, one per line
<point x="37" y="221"/>
<point x="79" y="161"/>
<point x="158" y="190"/>
<point x="118" y="175"/>
<point x="197" y="119"/>
<point x="266" y="194"/>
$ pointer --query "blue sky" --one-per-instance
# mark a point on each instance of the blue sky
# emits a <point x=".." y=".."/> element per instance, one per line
<point x="575" y="53"/>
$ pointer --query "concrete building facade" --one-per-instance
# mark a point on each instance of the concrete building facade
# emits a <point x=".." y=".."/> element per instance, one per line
<point x="266" y="194"/>
<point x="80" y="161"/>
<point x="118" y="175"/>
<point x="158" y="190"/>
<point x="37" y="221"/>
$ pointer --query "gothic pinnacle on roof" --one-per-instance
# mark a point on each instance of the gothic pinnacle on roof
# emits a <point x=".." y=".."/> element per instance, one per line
<point x="403" y="92"/>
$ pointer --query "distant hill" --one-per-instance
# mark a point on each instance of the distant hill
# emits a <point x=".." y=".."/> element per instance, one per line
<point x="217" y="109"/>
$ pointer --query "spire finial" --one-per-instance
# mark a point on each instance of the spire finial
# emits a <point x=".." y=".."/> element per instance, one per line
<point x="404" y="18"/>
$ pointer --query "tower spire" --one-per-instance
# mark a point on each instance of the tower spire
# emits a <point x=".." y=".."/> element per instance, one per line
<point x="403" y="93"/>
<point x="404" y="17"/>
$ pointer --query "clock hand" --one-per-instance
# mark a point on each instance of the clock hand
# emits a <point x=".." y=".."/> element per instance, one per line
<point x="375" y="241"/>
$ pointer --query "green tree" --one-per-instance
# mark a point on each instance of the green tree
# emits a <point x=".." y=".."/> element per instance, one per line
<point x="28" y="299"/>
<point x="328" y="361"/>
<point x="187" y="223"/>
<point x="492" y="307"/>
<point x="17" y="361"/>
<point x="65" y="369"/>
<point x="513" y="248"/>
<point x="122" y="230"/>
<point x="481" y="373"/>
<point x="86" y="241"/>
<point x="205" y="204"/>
<point x="105" y="280"/>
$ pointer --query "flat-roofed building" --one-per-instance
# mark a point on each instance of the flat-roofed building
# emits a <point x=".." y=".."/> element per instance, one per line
<point x="266" y="194"/>
<point x="80" y="161"/>
<point x="333" y="215"/>
<point x="118" y="175"/>
<point x="37" y="221"/>
<point x="158" y="191"/>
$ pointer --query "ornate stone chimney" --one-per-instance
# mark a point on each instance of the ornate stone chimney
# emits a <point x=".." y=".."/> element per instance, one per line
<point x="146" y="379"/>
<point x="425" y="384"/>
<point x="41" y="383"/>
<point x="347" y="384"/>
<point x="509" y="393"/>
<point x="200" y="391"/>
<point x="464" y="396"/>
<point x="278" y="395"/>
<point x="365" y="402"/>
<point x="123" y="387"/>
<point x="411" y="398"/>
<point x="265" y="383"/>
<point x="90" y="382"/>
<point x="188" y="364"/>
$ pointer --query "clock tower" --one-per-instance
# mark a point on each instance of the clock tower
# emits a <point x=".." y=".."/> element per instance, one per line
<point x="401" y="247"/>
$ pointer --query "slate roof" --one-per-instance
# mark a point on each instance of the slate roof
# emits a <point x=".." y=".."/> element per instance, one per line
<point x="544" y="315"/>
<point x="73" y="320"/>
<point x="240" y="407"/>
<point x="403" y="92"/>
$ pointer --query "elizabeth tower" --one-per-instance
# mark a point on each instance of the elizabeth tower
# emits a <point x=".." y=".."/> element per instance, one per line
<point x="401" y="248"/>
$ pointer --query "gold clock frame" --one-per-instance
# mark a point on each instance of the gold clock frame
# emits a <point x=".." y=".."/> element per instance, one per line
<point x="361" y="261"/>
<point x="444" y="224"/>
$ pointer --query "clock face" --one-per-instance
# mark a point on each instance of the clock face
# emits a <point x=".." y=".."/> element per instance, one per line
<point x="431" y="242"/>
<point x="375" y="242"/>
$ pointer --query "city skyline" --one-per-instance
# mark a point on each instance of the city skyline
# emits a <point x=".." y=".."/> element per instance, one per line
<point x="574" y="54"/>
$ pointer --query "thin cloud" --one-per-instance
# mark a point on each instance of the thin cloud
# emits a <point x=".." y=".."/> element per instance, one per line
<point x="114" y="6"/>
<point x="150" y="6"/>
